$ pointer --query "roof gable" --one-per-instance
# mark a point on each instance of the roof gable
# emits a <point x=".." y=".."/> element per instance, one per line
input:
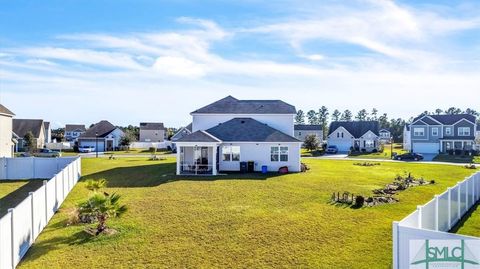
<point x="445" y="119"/>
<point x="355" y="128"/>
<point x="248" y="130"/>
<point x="153" y="126"/>
<point x="231" y="105"/>
<point x="199" y="136"/>
<point x="22" y="126"/>
<point x="75" y="127"/>
<point x="5" y="111"/>
<point x="101" y="129"/>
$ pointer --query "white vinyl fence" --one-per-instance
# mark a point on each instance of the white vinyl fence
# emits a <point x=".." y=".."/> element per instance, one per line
<point x="433" y="220"/>
<point x="21" y="225"/>
<point x="147" y="145"/>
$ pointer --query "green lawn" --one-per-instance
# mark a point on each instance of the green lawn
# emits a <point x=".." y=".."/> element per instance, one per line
<point x="136" y="152"/>
<point x="470" y="224"/>
<point x="314" y="153"/>
<point x="386" y="154"/>
<point x="457" y="159"/>
<point x="13" y="192"/>
<point x="237" y="221"/>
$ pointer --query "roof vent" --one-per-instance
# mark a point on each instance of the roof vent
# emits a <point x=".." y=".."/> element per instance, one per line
<point x="242" y="121"/>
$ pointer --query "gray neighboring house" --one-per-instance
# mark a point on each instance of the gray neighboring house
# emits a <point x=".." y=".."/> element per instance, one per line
<point x="104" y="134"/>
<point x="184" y="131"/>
<point x="152" y="132"/>
<point x="433" y="134"/>
<point x="407" y="139"/>
<point x="356" y="135"/>
<point x="48" y="132"/>
<point x="304" y="130"/>
<point x="22" y="126"/>
<point x="384" y="136"/>
<point x="74" y="131"/>
<point x="477" y="136"/>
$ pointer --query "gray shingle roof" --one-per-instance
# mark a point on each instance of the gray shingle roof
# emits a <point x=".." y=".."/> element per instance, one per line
<point x="231" y="105"/>
<point x="22" y="126"/>
<point x="75" y="127"/>
<point x="189" y="127"/>
<point x="447" y="119"/>
<point x="46" y="125"/>
<point x="103" y="128"/>
<point x="248" y="130"/>
<point x="6" y="111"/>
<point x="356" y="128"/>
<point x="151" y="126"/>
<point x="198" y="136"/>
<point x="307" y="127"/>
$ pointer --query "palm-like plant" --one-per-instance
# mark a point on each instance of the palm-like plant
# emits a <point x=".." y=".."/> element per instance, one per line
<point x="95" y="185"/>
<point x="103" y="207"/>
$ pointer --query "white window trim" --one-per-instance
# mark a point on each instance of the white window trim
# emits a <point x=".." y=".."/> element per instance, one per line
<point x="436" y="131"/>
<point x="448" y="131"/>
<point x="230" y="153"/>
<point x="416" y="131"/>
<point x="463" y="133"/>
<point x="279" y="153"/>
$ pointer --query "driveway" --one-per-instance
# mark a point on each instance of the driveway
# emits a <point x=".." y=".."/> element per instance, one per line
<point x="428" y="157"/>
<point x="339" y="155"/>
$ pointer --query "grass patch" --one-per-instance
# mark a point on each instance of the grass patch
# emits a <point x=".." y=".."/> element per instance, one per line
<point x="12" y="192"/>
<point x="247" y="221"/>
<point x="457" y="158"/>
<point x="386" y="154"/>
<point x="313" y="153"/>
<point x="470" y="223"/>
<point x="136" y="152"/>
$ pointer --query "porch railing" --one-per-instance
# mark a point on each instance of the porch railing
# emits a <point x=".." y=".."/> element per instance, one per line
<point x="196" y="169"/>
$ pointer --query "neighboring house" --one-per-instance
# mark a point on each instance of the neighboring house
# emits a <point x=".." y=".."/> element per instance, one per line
<point x="6" y="126"/>
<point x="152" y="132"/>
<point x="354" y="135"/>
<point x="22" y="126"/>
<point x="240" y="135"/>
<point x="74" y="131"/>
<point x="477" y="137"/>
<point x="184" y="131"/>
<point x="407" y="138"/>
<point x="102" y="136"/>
<point x="304" y="130"/>
<point x="15" y="139"/>
<point x="385" y="136"/>
<point x="48" y="132"/>
<point x="443" y="133"/>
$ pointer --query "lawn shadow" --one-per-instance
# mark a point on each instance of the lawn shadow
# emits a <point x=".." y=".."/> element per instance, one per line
<point x="464" y="219"/>
<point x="157" y="174"/>
<point x="14" y="198"/>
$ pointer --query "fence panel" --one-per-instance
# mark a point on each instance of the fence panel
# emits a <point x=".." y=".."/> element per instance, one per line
<point x="471" y="192"/>
<point x="463" y="198"/>
<point x="45" y="167"/>
<point x="428" y="215"/>
<point x="20" y="168"/>
<point x="39" y="220"/>
<point x="22" y="229"/>
<point x="455" y="204"/>
<point x="52" y="205"/>
<point x="6" y="241"/>
<point x="443" y="213"/>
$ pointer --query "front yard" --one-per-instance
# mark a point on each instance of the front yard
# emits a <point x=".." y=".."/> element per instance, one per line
<point x="237" y="221"/>
<point x="13" y="192"/>
<point x="386" y="154"/>
<point x="457" y="158"/>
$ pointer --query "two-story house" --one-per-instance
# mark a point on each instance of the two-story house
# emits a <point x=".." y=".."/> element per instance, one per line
<point x="354" y="135"/>
<point x="102" y="136"/>
<point x="384" y="136"/>
<point x="152" y="132"/>
<point x="407" y="139"/>
<point x="229" y="134"/>
<point x="6" y="134"/>
<point x="304" y="130"/>
<point x="433" y="134"/>
<point x="74" y="131"/>
<point x="23" y="126"/>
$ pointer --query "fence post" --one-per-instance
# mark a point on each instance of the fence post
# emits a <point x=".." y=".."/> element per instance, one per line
<point x="55" y="177"/>
<point x="395" y="244"/>
<point x="449" y="202"/>
<point x="63" y="185"/>
<point x="466" y="195"/>
<point x="33" y="168"/>
<point x="12" y="236"/>
<point x="32" y="213"/>
<point x="436" y="212"/>
<point x="420" y="211"/>
<point x="46" y="202"/>
<point x="459" y="204"/>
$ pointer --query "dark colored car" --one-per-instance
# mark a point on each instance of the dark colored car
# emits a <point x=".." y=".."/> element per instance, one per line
<point x="332" y="150"/>
<point x="409" y="156"/>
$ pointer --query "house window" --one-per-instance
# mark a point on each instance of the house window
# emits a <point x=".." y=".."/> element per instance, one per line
<point x="418" y="132"/>
<point x="231" y="153"/>
<point x="448" y="131"/>
<point x="338" y="135"/>
<point x="299" y="133"/>
<point x="279" y="154"/>
<point x="369" y="143"/>
<point x="342" y="135"/>
<point x="464" y="131"/>
<point x="435" y="131"/>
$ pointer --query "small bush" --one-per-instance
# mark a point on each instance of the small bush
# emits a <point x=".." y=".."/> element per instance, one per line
<point x="374" y="151"/>
<point x="359" y="201"/>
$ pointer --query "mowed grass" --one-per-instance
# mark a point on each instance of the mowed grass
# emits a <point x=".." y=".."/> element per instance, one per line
<point x="237" y="221"/>
<point x="386" y="154"/>
<point x="470" y="225"/>
<point x="136" y="152"/>
<point x="12" y="192"/>
<point x="457" y="159"/>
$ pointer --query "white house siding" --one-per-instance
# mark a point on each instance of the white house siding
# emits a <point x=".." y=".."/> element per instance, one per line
<point x="260" y="154"/>
<point x="6" y="144"/>
<point x="152" y="135"/>
<point x="343" y="143"/>
<point x="281" y="122"/>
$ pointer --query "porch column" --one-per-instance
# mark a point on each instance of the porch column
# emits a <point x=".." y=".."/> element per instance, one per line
<point x="214" y="158"/>
<point x="178" y="159"/>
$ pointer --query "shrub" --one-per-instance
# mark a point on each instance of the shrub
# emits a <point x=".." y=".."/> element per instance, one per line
<point x="152" y="150"/>
<point x="359" y="201"/>
<point x="374" y="151"/>
<point x="364" y="150"/>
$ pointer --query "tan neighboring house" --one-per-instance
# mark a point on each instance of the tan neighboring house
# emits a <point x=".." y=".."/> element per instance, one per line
<point x="304" y="130"/>
<point x="152" y="132"/>
<point x="22" y="126"/>
<point x="48" y="132"/>
<point x="6" y="135"/>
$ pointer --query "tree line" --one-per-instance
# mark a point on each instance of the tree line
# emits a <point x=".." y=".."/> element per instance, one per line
<point x="323" y="117"/>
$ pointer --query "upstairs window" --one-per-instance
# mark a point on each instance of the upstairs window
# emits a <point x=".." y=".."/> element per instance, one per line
<point x="463" y="131"/>
<point x="418" y="132"/>
<point x="435" y="131"/>
<point x="448" y="131"/>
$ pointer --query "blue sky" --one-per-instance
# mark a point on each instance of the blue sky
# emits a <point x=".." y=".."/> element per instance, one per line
<point x="132" y="61"/>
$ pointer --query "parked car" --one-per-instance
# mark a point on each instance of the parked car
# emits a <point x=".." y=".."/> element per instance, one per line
<point x="409" y="156"/>
<point x="86" y="149"/>
<point x="47" y="153"/>
<point x="332" y="149"/>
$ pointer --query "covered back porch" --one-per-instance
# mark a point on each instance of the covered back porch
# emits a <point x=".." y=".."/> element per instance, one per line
<point x="197" y="159"/>
<point x="447" y="145"/>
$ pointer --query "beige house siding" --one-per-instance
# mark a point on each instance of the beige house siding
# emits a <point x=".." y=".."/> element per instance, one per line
<point x="302" y="134"/>
<point x="152" y="135"/>
<point x="6" y="144"/>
